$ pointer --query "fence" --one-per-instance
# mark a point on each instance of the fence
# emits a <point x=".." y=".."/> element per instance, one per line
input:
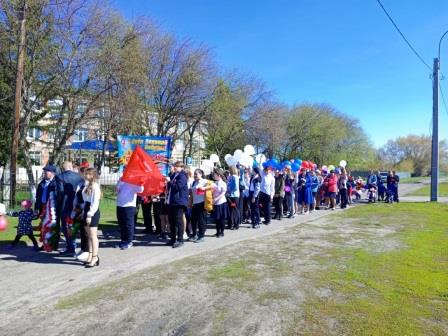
<point x="24" y="190"/>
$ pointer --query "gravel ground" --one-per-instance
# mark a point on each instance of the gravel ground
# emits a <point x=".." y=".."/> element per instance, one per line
<point x="156" y="290"/>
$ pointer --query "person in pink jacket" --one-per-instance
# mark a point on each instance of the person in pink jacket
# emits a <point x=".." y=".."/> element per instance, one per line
<point x="331" y="187"/>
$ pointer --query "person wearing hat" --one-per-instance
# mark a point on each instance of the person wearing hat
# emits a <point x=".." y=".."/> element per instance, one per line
<point x="178" y="203"/>
<point x="48" y="206"/>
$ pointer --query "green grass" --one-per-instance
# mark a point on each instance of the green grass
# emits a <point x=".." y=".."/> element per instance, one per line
<point x="425" y="191"/>
<point x="416" y="179"/>
<point x="402" y="292"/>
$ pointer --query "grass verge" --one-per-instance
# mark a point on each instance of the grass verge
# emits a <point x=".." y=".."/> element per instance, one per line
<point x="425" y="191"/>
<point x="401" y="292"/>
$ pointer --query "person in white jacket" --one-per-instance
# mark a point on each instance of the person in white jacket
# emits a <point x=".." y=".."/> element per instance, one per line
<point x="91" y="195"/>
<point x="267" y="190"/>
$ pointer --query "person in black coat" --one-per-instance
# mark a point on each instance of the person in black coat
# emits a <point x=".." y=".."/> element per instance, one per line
<point x="71" y="182"/>
<point x="49" y="198"/>
<point x="178" y="203"/>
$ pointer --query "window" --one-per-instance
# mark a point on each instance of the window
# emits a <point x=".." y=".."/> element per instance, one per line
<point x="35" y="158"/>
<point x="81" y="109"/>
<point x="80" y="135"/>
<point x="50" y="134"/>
<point x="34" y="133"/>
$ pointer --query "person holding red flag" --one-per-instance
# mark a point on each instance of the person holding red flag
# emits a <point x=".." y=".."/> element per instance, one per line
<point x="141" y="176"/>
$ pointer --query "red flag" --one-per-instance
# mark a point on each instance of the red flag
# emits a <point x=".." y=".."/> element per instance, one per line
<point x="141" y="170"/>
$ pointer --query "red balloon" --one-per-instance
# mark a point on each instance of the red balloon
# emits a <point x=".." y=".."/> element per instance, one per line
<point x="3" y="223"/>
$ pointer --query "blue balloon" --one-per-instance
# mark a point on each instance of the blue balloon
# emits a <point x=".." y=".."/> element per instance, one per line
<point x="265" y="164"/>
<point x="274" y="161"/>
<point x="298" y="162"/>
<point x="295" y="167"/>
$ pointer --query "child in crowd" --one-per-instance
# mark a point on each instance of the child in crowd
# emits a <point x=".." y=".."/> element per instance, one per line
<point x="25" y="227"/>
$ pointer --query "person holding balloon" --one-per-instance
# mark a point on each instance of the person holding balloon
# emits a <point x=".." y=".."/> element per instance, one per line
<point x="25" y="227"/>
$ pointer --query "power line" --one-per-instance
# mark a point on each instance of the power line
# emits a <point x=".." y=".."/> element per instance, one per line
<point x="443" y="97"/>
<point x="402" y="35"/>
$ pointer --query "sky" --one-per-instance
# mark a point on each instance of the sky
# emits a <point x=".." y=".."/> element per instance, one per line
<point x="345" y="53"/>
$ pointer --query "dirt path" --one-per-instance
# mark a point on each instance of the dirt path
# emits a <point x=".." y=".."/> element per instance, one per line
<point x="30" y="280"/>
<point x="218" y="291"/>
<point x="31" y="284"/>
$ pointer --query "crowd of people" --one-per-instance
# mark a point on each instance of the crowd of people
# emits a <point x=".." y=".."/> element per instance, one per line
<point x="69" y="203"/>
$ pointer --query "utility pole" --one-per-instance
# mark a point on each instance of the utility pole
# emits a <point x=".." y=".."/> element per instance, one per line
<point x="435" y="132"/>
<point x="17" y="105"/>
<point x="435" y="125"/>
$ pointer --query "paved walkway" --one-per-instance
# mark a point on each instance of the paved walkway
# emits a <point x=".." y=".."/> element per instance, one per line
<point x="29" y="281"/>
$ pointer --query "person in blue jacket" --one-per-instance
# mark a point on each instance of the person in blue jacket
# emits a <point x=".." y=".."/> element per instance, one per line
<point x="314" y="188"/>
<point x="307" y="191"/>
<point x="178" y="203"/>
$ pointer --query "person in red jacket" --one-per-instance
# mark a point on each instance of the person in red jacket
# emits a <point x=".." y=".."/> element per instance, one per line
<point x="331" y="186"/>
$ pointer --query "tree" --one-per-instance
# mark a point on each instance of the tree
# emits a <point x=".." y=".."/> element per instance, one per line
<point x="412" y="152"/>
<point x="225" y="126"/>
<point x="176" y="86"/>
<point x="320" y="133"/>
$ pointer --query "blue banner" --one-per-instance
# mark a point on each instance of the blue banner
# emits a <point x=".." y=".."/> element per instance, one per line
<point x="159" y="148"/>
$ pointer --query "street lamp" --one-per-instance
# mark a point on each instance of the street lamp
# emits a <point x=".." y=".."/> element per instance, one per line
<point x="435" y="126"/>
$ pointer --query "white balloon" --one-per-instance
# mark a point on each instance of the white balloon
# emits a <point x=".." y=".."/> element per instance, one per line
<point x="243" y="161"/>
<point x="226" y="157"/>
<point x="207" y="163"/>
<point x="214" y="158"/>
<point x="249" y="150"/>
<point x="247" y="161"/>
<point x="343" y="163"/>
<point x="238" y="154"/>
<point x="230" y="160"/>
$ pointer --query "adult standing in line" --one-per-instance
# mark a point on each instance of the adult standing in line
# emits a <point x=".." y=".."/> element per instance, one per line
<point x="331" y="187"/>
<point x="254" y="192"/>
<point x="77" y="214"/>
<point x="178" y="203"/>
<point x="233" y="196"/>
<point x="220" y="208"/>
<point x="267" y="190"/>
<point x="279" y="194"/>
<point x="126" y="208"/>
<point x="289" y="191"/>
<point x="198" y="213"/>
<point x="314" y="188"/>
<point x="48" y="206"/>
<point x="381" y="188"/>
<point x="342" y="185"/>
<point x="71" y="181"/>
<point x="392" y="186"/>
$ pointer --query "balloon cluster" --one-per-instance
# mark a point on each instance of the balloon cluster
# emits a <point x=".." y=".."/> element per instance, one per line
<point x="247" y="158"/>
<point x="244" y="158"/>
